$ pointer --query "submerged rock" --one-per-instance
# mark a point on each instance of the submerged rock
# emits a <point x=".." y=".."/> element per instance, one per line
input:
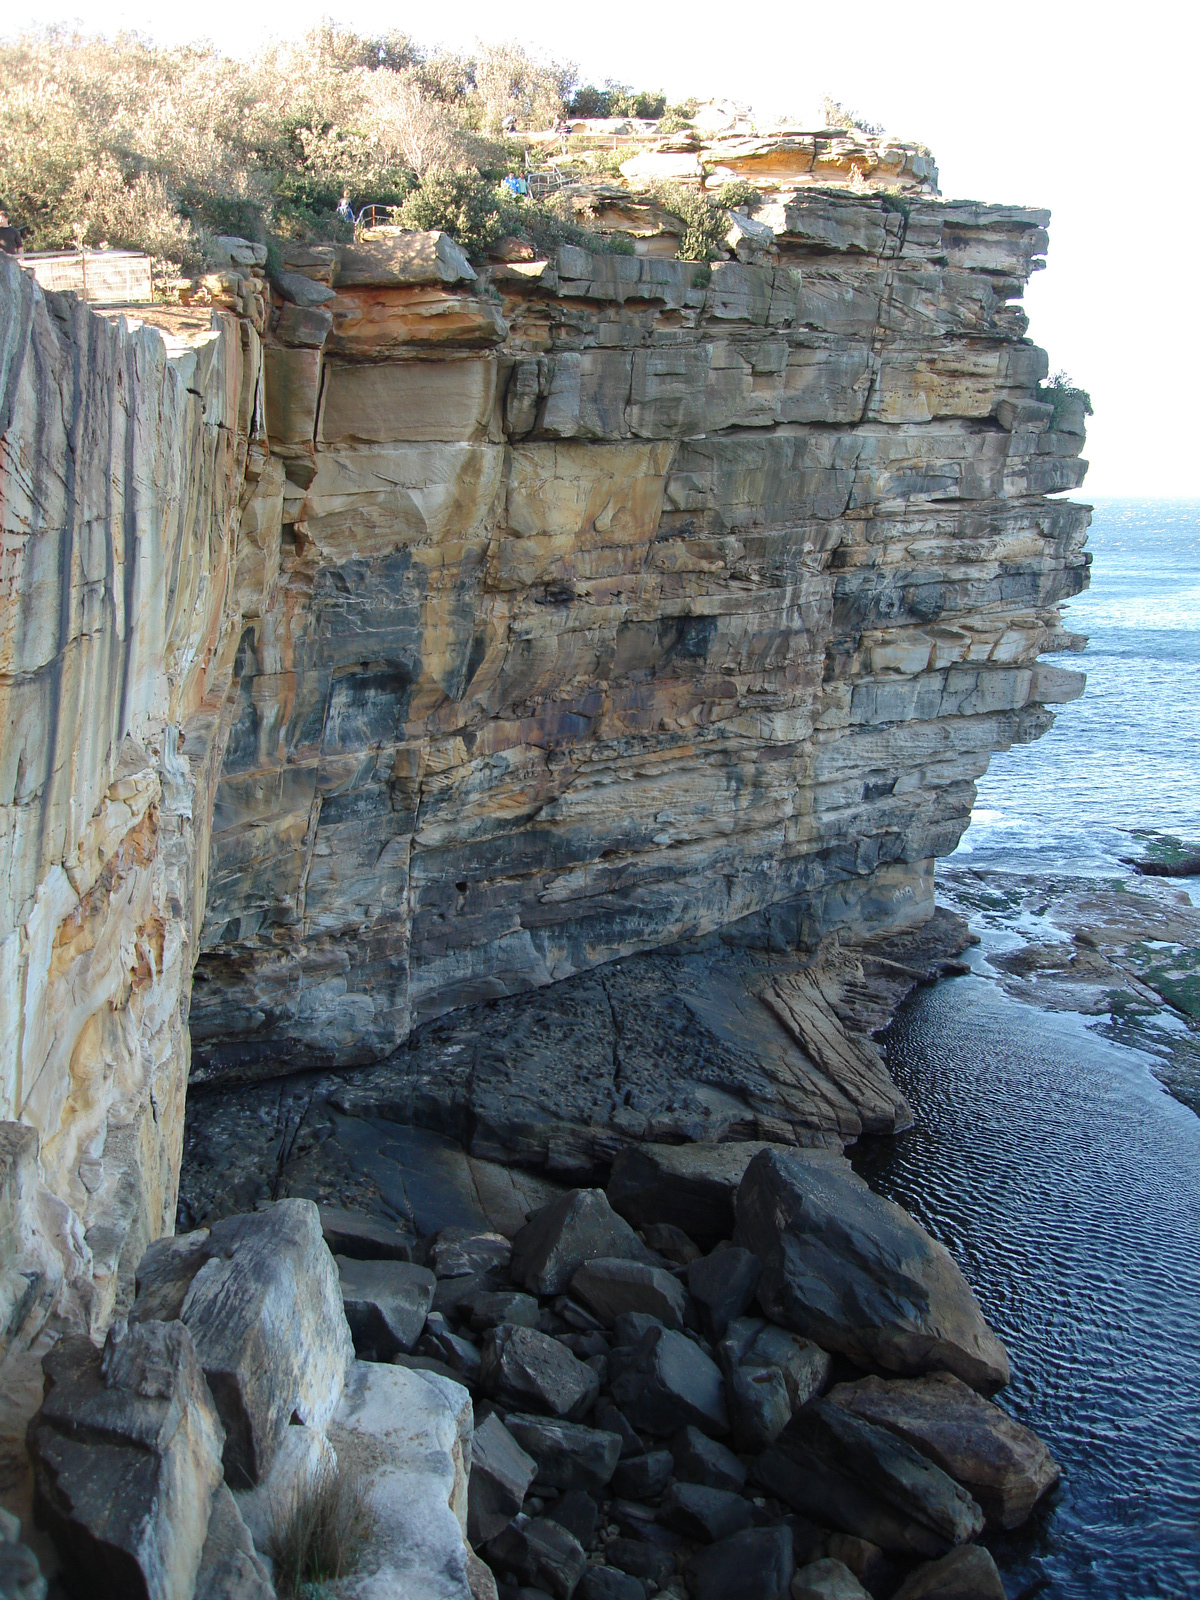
<point x="855" y="1273"/>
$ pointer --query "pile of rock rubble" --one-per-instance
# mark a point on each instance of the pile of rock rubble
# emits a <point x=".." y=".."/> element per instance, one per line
<point x="584" y="1409"/>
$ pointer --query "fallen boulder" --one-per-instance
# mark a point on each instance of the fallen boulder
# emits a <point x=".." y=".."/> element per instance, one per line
<point x="643" y="1477"/>
<point x="610" y="1583"/>
<point x="568" y="1455"/>
<point x="756" y="1564"/>
<point x="348" y="1233"/>
<point x="611" y="1287"/>
<point x="667" y="1381"/>
<point x="722" y="1285"/>
<point x="126" y="1453"/>
<point x="968" y="1573"/>
<point x="501" y="1473"/>
<point x="578" y="1513"/>
<point x="853" y="1272"/>
<point x="524" y="1367"/>
<point x="704" y="1514"/>
<point x="845" y="1473"/>
<point x="1003" y="1465"/>
<point x="230" y="1566"/>
<point x="690" y="1186"/>
<point x="556" y="1241"/>
<point x="386" y="1303"/>
<point x="456" y="1251"/>
<point x="699" y="1459"/>
<point x="827" y="1580"/>
<point x="539" y="1552"/>
<point x="759" y="1406"/>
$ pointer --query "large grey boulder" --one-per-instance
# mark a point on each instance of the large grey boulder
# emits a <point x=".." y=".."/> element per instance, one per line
<point x="699" y="1459"/>
<point x="723" y="1285"/>
<point x="556" y="1241"/>
<point x="1005" y="1466"/>
<point x="524" y="1367"/>
<point x="349" y="1233"/>
<point x="386" y="1303"/>
<point x="756" y="1564"/>
<point x="691" y="1186"/>
<point x="501" y="1472"/>
<point x="827" y="1579"/>
<point x="845" y="1473"/>
<point x="854" y="1272"/>
<point x="704" y="1514"/>
<point x="968" y="1573"/>
<point x="751" y="1342"/>
<point x="541" y="1553"/>
<point x="611" y="1287"/>
<point x="126" y="1453"/>
<point x="230" y="1566"/>
<point x="667" y="1382"/>
<point x="568" y="1455"/>
<point x="260" y="1296"/>
<point x="759" y="1406"/>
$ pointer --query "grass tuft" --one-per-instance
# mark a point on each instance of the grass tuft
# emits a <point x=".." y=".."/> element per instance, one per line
<point x="320" y="1534"/>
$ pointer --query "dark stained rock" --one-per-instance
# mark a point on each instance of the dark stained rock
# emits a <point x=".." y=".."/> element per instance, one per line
<point x="264" y="1308"/>
<point x="751" y="1342"/>
<point x="557" y="1240"/>
<point x="690" y="1186"/>
<point x="386" y="1304"/>
<point x="488" y="1308"/>
<point x="578" y="1513"/>
<point x="501" y="1473"/>
<point x="855" y="1273"/>
<point x="877" y="1574"/>
<point x="348" y="1233"/>
<point x="848" y="1474"/>
<point x="230" y="1567"/>
<point x="669" y="1381"/>
<point x="441" y="1342"/>
<point x="614" y="1420"/>
<point x="610" y="1583"/>
<point x="568" y="1455"/>
<point x="453" y="1252"/>
<point x="756" y="1564"/>
<point x="827" y="1579"/>
<point x="523" y="1367"/>
<point x="699" y="1459"/>
<point x="631" y="1327"/>
<point x="641" y="1559"/>
<point x="126" y="1453"/>
<point x="643" y="1477"/>
<point x="610" y="1287"/>
<point x="540" y="1553"/>
<point x="759" y="1407"/>
<point x="1005" y="1466"/>
<point x="704" y="1514"/>
<point x="670" y="1242"/>
<point x="968" y="1573"/>
<point x="722" y="1285"/>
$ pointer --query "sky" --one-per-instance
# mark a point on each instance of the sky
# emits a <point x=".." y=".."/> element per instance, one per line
<point x="1081" y="108"/>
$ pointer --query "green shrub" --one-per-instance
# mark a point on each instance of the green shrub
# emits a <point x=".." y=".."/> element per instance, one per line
<point x="738" y="195"/>
<point x="464" y="204"/>
<point x="616" y="100"/>
<point x="705" y="222"/>
<point x="1057" y="391"/>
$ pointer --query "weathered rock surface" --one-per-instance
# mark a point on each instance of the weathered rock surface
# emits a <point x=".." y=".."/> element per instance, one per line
<point x="855" y="1273"/>
<point x="752" y="1343"/>
<point x="230" y="1566"/>
<point x="568" y="1455"/>
<point x="755" y="1564"/>
<point x="127" y="1458"/>
<point x="611" y="1287"/>
<point x="843" y="1472"/>
<point x="1002" y="1464"/>
<point x="386" y="1303"/>
<point x="827" y="1579"/>
<point x="704" y="1514"/>
<point x="259" y="1295"/>
<point x="541" y="1553"/>
<point x="668" y="1382"/>
<point x="524" y="1367"/>
<point x="722" y="1286"/>
<point x="968" y="1573"/>
<point x="563" y="1236"/>
<point x="501" y="1473"/>
<point x="699" y="1459"/>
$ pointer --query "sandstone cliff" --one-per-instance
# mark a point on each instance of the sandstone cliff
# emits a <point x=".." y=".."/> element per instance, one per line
<point x="437" y="636"/>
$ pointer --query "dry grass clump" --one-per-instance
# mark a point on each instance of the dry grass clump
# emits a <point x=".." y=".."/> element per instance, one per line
<point x="320" y="1534"/>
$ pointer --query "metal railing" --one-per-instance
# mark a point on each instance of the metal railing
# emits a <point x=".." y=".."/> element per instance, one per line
<point x="375" y="217"/>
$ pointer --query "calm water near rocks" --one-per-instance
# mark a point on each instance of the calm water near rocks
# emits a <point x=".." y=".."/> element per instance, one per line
<point x="1047" y="1156"/>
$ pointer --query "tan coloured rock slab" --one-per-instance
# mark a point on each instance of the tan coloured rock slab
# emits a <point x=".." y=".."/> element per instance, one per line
<point x="293" y="387"/>
<point x="407" y="401"/>
<point x="1005" y="1466"/>
<point x="401" y="258"/>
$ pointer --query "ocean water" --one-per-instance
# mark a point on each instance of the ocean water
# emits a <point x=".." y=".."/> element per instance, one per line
<point x="1125" y="757"/>
<point x="1045" y="1153"/>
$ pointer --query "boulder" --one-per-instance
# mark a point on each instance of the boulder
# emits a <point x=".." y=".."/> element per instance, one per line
<point x="610" y="1583"/>
<point x="704" y="1514"/>
<point x="827" y="1580"/>
<point x="578" y="1513"/>
<point x="671" y="1243"/>
<point x="524" y="1367"/>
<point x="126" y="1453"/>
<point x="866" y="1561"/>
<point x="230" y="1567"/>
<point x="347" y="1233"/>
<point x="386" y="1303"/>
<point x="556" y="1241"/>
<point x="759" y="1406"/>
<point x="699" y="1459"/>
<point x="1003" y="1465"/>
<point x="488" y="1308"/>
<point x="568" y="1455"/>
<point x="613" y="1420"/>
<point x="456" y="1251"/>
<point x="610" y="1286"/>
<point x="302" y="291"/>
<point x="643" y="1477"/>
<point x="20" y="1575"/>
<point x="668" y="1381"/>
<point x="854" y="1272"/>
<point x="641" y="1559"/>
<point x="968" y="1573"/>
<point x="541" y="1553"/>
<point x="690" y="1186"/>
<point x="722" y="1285"/>
<point x="755" y="1564"/>
<point x="440" y="1341"/>
<point x="804" y="1365"/>
<point x="501" y="1472"/>
<point x="843" y="1472"/>
<point x="259" y="1295"/>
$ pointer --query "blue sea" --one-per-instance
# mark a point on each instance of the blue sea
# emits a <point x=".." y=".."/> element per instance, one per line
<point x="1046" y="1154"/>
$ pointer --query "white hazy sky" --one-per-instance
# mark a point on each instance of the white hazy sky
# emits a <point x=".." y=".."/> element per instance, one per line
<point x="1085" y="109"/>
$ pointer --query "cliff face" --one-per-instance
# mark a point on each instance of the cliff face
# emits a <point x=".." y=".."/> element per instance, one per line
<point x="635" y="602"/>
<point x="478" y="633"/>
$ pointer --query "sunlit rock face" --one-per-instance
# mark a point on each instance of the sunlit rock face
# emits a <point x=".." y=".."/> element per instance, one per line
<point x="627" y="599"/>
